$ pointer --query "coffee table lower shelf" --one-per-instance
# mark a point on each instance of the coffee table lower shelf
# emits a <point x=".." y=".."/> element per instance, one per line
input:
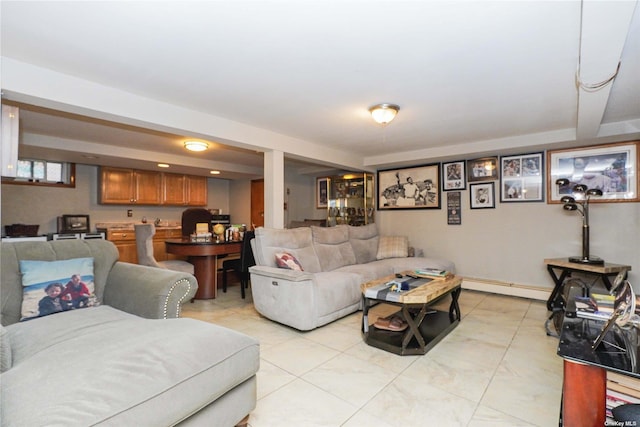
<point x="433" y="328"/>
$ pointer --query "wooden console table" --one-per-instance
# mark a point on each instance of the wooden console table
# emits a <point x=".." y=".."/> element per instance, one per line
<point x="425" y="329"/>
<point x="566" y="267"/>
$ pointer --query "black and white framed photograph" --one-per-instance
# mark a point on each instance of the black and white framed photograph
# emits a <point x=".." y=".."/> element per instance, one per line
<point x="454" y="208"/>
<point x="409" y="188"/>
<point x="322" y="193"/>
<point x="521" y="178"/>
<point x="484" y="169"/>
<point x="453" y="176"/>
<point x="482" y="195"/>
<point x="611" y="168"/>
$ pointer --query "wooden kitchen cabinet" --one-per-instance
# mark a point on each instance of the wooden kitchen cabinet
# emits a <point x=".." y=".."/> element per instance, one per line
<point x="174" y="189"/>
<point x="159" y="248"/>
<point x="128" y="186"/>
<point x="196" y="190"/>
<point x="125" y="241"/>
<point x="184" y="190"/>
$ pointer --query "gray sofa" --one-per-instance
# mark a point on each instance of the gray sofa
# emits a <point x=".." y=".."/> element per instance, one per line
<point x="335" y="260"/>
<point x="119" y="364"/>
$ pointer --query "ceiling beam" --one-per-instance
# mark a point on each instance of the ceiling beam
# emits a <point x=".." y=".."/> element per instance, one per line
<point x="27" y="83"/>
<point x="605" y="25"/>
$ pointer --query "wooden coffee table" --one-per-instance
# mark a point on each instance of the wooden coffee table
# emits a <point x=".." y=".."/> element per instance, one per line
<point x="426" y="327"/>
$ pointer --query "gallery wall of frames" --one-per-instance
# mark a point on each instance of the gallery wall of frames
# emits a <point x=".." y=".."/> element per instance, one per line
<point x="531" y="177"/>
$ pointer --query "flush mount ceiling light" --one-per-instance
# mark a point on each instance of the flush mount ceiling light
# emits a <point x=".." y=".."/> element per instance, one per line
<point x="196" y="145"/>
<point x="384" y="113"/>
<point x="214" y="172"/>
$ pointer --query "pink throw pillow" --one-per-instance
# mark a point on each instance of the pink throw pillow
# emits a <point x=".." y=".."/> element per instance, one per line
<point x="286" y="260"/>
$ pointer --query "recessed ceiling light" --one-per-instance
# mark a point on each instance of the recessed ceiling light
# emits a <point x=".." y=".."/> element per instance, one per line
<point x="163" y="165"/>
<point x="196" y="145"/>
<point x="214" y="172"/>
<point x="90" y="156"/>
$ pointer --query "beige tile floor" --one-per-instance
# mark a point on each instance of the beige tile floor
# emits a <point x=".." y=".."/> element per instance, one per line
<point x="497" y="368"/>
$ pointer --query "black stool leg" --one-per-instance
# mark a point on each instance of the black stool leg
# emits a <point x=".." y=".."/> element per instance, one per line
<point x="224" y="279"/>
<point x="242" y="284"/>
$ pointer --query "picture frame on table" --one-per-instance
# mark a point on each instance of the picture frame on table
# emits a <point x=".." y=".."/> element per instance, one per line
<point x="454" y="176"/>
<point x="322" y="193"/>
<point x="482" y="169"/>
<point x="522" y="178"/>
<point x="482" y="195"/>
<point x="611" y="168"/>
<point x="415" y="187"/>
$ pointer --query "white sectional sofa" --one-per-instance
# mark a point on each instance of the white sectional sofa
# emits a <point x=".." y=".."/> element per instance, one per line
<point x="335" y="262"/>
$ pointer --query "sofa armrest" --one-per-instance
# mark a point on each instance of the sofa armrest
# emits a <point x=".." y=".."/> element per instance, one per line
<point x="154" y="293"/>
<point x="281" y="273"/>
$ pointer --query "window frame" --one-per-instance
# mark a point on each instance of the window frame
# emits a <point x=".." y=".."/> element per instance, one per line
<point x="36" y="182"/>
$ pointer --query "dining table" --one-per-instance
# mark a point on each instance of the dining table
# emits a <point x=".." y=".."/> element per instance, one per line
<point x="204" y="257"/>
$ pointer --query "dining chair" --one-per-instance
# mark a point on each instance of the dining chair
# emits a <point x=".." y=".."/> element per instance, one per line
<point x="144" y="247"/>
<point x="240" y="265"/>
<point x="191" y="217"/>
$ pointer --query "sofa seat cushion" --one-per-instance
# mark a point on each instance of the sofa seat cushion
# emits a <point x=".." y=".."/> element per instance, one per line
<point x="336" y="290"/>
<point x="107" y="367"/>
<point x="370" y="271"/>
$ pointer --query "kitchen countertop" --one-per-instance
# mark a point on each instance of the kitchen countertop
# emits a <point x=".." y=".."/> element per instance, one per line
<point x="129" y="225"/>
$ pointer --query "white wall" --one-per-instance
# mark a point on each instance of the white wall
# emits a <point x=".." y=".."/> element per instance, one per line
<point x="240" y="201"/>
<point x="28" y="204"/>
<point x="509" y="243"/>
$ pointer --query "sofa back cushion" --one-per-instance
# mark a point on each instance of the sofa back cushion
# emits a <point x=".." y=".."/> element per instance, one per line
<point x="333" y="247"/>
<point x="296" y="241"/>
<point x="104" y="253"/>
<point x="364" y="241"/>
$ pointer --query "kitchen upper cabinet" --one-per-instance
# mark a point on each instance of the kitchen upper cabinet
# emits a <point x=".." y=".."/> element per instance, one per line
<point x="174" y="189"/>
<point x="128" y="186"/>
<point x="196" y="190"/>
<point x="184" y="190"/>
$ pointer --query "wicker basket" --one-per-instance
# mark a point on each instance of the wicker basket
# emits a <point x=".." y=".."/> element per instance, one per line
<point x="21" y="230"/>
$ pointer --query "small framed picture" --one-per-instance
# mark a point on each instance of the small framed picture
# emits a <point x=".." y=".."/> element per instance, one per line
<point x="484" y="169"/>
<point x="482" y="195"/>
<point x="322" y="193"/>
<point x="453" y="176"/>
<point x="521" y="178"/>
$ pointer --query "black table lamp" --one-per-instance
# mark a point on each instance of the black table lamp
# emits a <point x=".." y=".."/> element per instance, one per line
<point x="580" y="203"/>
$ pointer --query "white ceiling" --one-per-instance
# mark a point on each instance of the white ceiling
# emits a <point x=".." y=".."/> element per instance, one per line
<point x="471" y="78"/>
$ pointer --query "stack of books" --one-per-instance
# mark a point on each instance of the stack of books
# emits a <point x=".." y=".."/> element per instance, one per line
<point x="621" y="389"/>
<point x="432" y="272"/>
